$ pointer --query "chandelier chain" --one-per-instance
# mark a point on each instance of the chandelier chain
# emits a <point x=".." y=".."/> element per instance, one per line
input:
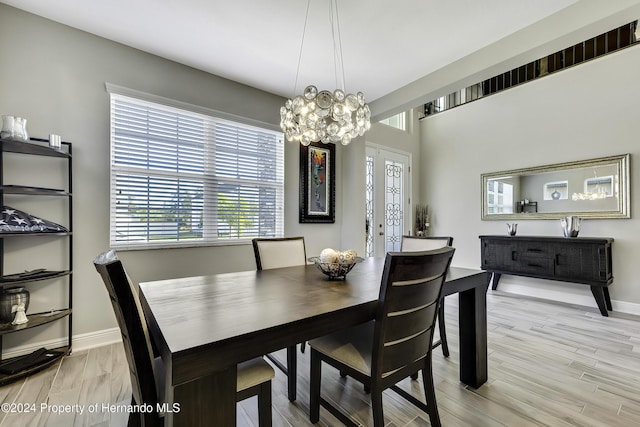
<point x="326" y="116"/>
<point x="304" y="31"/>
<point x="338" y="60"/>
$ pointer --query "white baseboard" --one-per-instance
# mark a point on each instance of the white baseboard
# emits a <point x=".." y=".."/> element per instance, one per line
<point x="79" y="342"/>
<point x="625" y="307"/>
<point x="560" y="291"/>
<point x="96" y="339"/>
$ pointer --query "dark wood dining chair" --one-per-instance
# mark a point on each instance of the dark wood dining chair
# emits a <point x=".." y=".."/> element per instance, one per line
<point x="396" y="344"/>
<point x="147" y="372"/>
<point x="280" y="252"/>
<point x="414" y="243"/>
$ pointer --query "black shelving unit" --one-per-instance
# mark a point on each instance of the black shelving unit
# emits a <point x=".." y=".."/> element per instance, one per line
<point x="527" y="207"/>
<point x="39" y="278"/>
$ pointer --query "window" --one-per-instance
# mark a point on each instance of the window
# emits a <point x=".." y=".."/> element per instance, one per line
<point x="586" y="50"/>
<point x="396" y="121"/>
<point x="499" y="197"/>
<point x="182" y="178"/>
<point x="558" y="190"/>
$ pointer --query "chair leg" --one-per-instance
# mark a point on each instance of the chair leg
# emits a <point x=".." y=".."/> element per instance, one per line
<point x="264" y="405"/>
<point x="430" y="392"/>
<point x="376" y="407"/>
<point x="292" y="372"/>
<point x="314" y="387"/>
<point x="443" y="331"/>
<point x="135" y="419"/>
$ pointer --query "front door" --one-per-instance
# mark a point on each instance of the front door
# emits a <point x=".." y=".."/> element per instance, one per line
<point x="387" y="198"/>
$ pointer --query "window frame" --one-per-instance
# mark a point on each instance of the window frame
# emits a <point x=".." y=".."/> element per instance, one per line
<point x="397" y="121"/>
<point x="210" y="180"/>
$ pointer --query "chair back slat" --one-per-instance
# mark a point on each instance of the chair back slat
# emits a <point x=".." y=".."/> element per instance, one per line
<point x="410" y="292"/>
<point x="399" y="354"/>
<point x="416" y="244"/>
<point x="133" y="326"/>
<point x="279" y="252"/>
<point x="409" y="323"/>
<point x="416" y="294"/>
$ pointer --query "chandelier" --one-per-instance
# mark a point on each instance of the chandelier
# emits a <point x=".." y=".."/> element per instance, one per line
<point x="327" y="116"/>
<point x="600" y="193"/>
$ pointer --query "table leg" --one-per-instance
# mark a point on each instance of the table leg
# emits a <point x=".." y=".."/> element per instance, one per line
<point x="602" y="299"/>
<point x="473" y="335"/>
<point x="206" y="401"/>
<point x="607" y="298"/>
<point x="494" y="278"/>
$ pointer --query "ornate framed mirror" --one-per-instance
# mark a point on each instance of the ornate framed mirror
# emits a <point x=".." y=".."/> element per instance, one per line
<point x="593" y="188"/>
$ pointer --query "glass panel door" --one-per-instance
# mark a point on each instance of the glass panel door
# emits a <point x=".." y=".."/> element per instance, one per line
<point x="387" y="200"/>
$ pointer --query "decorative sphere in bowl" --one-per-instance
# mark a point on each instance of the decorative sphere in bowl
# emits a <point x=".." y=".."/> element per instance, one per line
<point x="347" y="257"/>
<point x="335" y="270"/>
<point x="329" y="255"/>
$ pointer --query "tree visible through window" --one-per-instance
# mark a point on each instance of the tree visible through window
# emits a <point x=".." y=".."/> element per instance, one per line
<point x="185" y="178"/>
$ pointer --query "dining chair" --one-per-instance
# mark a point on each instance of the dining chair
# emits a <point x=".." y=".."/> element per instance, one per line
<point x="395" y="345"/>
<point x="146" y="372"/>
<point x="277" y="252"/>
<point x="414" y="243"/>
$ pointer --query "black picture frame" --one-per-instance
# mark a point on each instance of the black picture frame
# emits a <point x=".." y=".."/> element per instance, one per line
<point x="317" y="183"/>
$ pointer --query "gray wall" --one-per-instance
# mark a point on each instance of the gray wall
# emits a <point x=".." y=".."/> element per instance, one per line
<point x="55" y="76"/>
<point x="584" y="112"/>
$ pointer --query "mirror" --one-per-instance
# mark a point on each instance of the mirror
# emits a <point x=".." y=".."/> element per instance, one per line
<point x="595" y="188"/>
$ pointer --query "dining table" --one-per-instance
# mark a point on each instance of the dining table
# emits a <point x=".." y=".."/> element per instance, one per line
<point x="203" y="326"/>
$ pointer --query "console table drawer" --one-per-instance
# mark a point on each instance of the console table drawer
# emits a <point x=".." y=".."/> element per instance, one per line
<point x="533" y="250"/>
<point x="540" y="266"/>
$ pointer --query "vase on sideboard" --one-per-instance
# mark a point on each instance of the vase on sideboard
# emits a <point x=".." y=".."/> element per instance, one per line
<point x="571" y="225"/>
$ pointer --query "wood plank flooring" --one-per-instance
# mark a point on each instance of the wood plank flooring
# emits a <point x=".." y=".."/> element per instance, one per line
<point x="550" y="364"/>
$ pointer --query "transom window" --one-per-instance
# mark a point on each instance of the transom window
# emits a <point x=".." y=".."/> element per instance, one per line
<point x="181" y="178"/>
<point x="397" y="121"/>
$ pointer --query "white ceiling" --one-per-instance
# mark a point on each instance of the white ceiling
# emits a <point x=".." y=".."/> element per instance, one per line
<point x="388" y="46"/>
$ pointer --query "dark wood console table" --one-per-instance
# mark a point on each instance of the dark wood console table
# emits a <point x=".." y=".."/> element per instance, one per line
<point x="568" y="259"/>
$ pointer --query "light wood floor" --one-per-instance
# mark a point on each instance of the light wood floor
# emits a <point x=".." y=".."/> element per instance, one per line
<point x="550" y="364"/>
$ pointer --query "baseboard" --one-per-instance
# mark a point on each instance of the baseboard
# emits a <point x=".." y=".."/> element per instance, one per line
<point x="626" y="307"/>
<point x="96" y="339"/>
<point x="79" y="342"/>
<point x="560" y="291"/>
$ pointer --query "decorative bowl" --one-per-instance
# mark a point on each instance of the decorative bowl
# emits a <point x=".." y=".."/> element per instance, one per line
<point x="334" y="270"/>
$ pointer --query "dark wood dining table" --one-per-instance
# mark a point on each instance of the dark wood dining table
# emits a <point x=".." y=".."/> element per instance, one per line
<point x="203" y="326"/>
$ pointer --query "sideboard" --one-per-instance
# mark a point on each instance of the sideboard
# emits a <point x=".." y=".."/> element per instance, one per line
<point x="582" y="260"/>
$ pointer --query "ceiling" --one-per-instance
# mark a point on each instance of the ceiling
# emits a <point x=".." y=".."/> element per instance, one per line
<point x="392" y="51"/>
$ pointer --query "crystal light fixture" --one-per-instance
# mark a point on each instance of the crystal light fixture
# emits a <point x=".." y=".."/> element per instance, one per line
<point x="598" y="194"/>
<point x="325" y="116"/>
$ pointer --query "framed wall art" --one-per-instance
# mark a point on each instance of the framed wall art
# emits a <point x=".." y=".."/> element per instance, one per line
<point x="317" y="183"/>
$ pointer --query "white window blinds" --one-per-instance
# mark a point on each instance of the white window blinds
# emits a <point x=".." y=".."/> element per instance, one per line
<point x="185" y="178"/>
